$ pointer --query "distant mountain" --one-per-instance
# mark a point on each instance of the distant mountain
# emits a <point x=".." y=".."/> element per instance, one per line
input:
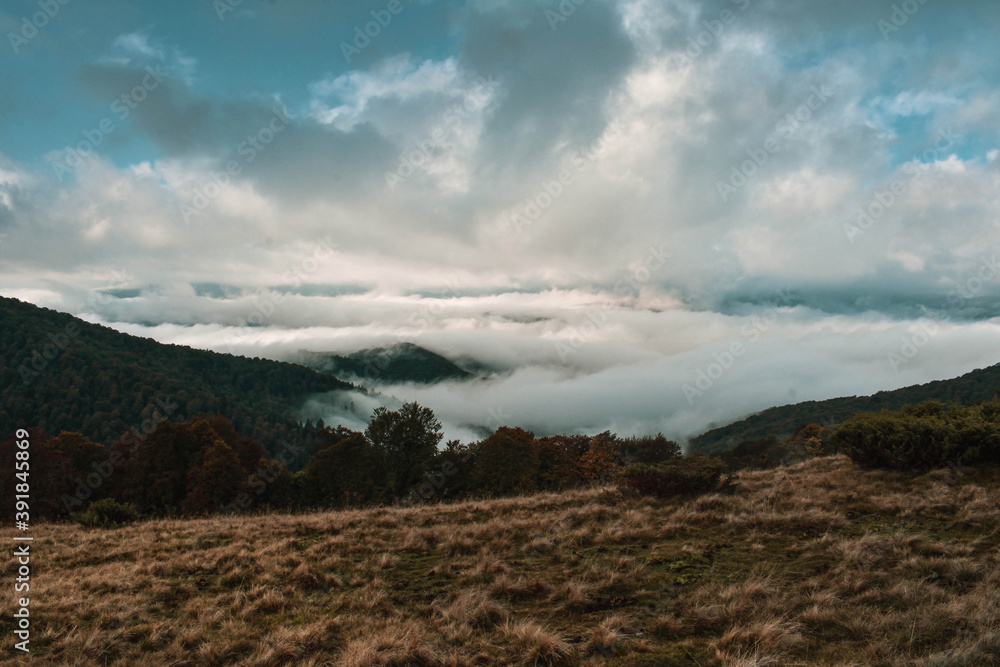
<point x="62" y="373"/>
<point x="979" y="385"/>
<point x="404" y="362"/>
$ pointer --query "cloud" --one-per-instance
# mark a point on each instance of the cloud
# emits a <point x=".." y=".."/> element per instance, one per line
<point x="629" y="375"/>
<point x="496" y="181"/>
<point x="137" y="43"/>
<point x="397" y="80"/>
<point x="139" y="49"/>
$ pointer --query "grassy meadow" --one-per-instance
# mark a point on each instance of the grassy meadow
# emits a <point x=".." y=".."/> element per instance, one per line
<point x="820" y="563"/>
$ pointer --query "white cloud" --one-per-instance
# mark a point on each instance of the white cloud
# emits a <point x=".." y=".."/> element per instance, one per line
<point x="645" y="138"/>
<point x="137" y="43"/>
<point x="139" y="49"/>
<point x="920" y="103"/>
<point x="397" y="78"/>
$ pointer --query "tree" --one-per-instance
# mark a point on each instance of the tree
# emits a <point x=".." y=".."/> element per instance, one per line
<point x="406" y="439"/>
<point x="646" y="449"/>
<point x="807" y="442"/>
<point x="754" y="454"/>
<point x="162" y="466"/>
<point x="249" y="451"/>
<point x="449" y="475"/>
<point x="69" y="466"/>
<point x="559" y="461"/>
<point x="272" y="484"/>
<point x="215" y="481"/>
<point x="156" y="474"/>
<point x="346" y="470"/>
<point x="63" y="473"/>
<point x="601" y="460"/>
<point x="507" y="462"/>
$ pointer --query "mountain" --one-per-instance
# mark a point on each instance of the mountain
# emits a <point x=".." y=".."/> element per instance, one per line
<point x="403" y="362"/>
<point x="979" y="385"/>
<point x="62" y="373"/>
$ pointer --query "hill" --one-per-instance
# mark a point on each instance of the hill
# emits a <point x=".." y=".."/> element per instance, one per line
<point x="62" y="373"/>
<point x="403" y="362"/>
<point x="821" y="563"/>
<point x="979" y="385"/>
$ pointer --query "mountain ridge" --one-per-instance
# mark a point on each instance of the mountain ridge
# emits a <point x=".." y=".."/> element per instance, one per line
<point x="60" y="372"/>
<point x="402" y="362"/>
<point x="981" y="384"/>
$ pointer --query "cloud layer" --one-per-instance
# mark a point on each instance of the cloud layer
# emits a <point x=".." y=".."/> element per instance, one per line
<point x="496" y="179"/>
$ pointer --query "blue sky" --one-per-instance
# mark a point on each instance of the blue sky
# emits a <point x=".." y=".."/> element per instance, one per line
<point x="631" y="180"/>
<point x="253" y="49"/>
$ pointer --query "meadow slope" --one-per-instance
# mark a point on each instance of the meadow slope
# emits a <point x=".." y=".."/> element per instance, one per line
<point x="821" y="563"/>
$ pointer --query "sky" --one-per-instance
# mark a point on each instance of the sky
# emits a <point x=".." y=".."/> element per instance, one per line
<point x="640" y="215"/>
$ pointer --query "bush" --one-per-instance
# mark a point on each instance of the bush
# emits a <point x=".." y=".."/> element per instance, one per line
<point x="107" y="513"/>
<point x="920" y="437"/>
<point x="683" y="476"/>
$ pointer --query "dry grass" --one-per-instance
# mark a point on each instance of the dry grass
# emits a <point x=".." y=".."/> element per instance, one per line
<point x="816" y="564"/>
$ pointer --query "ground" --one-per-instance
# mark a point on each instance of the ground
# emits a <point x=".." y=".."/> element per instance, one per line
<point x="821" y="563"/>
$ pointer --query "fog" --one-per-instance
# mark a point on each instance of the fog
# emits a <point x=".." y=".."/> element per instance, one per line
<point x="589" y="368"/>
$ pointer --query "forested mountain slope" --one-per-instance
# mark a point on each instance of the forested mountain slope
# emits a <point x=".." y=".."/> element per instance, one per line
<point x="62" y="373"/>
<point x="979" y="385"/>
<point x="404" y="362"/>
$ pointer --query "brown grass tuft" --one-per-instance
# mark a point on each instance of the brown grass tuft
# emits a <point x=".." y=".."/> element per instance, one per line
<point x="818" y="563"/>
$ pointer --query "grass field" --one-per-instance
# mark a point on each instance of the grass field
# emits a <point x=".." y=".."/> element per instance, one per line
<point x="821" y="563"/>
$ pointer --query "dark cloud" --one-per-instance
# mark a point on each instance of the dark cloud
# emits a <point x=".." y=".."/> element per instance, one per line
<point x="646" y="137"/>
<point x="559" y="80"/>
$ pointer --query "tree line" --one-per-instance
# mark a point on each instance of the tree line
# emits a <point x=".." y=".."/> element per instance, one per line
<point x="205" y="466"/>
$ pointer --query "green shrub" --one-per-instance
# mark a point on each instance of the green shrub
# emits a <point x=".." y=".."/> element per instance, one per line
<point x="920" y="437"/>
<point x="107" y="513"/>
<point x="682" y="476"/>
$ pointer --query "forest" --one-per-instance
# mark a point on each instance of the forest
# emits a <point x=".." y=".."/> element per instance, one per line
<point x="67" y="374"/>
<point x="204" y="466"/>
